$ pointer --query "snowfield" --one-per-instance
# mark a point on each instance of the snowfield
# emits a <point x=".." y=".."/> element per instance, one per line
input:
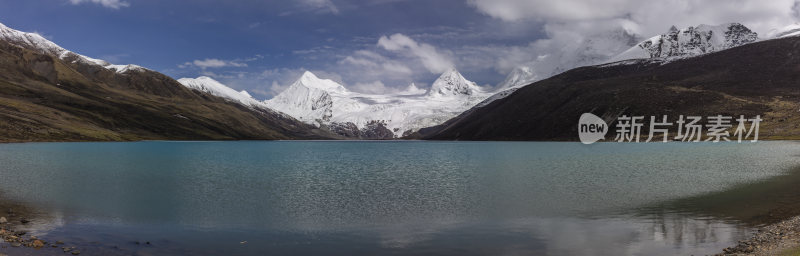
<point x="322" y="101"/>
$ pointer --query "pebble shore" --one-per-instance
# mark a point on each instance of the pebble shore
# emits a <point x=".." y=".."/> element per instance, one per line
<point x="10" y="220"/>
<point x="782" y="238"/>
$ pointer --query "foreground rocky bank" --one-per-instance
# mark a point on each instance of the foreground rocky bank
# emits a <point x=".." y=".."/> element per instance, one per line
<point x="15" y="237"/>
<point x="782" y="238"/>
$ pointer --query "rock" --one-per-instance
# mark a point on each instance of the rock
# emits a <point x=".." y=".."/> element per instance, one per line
<point x="59" y="242"/>
<point x="3" y="220"/>
<point x="37" y="243"/>
<point x="24" y="220"/>
<point x="16" y="244"/>
<point x="66" y="249"/>
<point x="76" y="252"/>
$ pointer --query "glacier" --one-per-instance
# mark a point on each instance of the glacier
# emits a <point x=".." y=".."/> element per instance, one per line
<point x="323" y="102"/>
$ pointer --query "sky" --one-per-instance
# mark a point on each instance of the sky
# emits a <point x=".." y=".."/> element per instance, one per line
<point x="371" y="46"/>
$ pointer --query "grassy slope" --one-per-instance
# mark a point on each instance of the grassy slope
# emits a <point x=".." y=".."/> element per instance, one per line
<point x="43" y="98"/>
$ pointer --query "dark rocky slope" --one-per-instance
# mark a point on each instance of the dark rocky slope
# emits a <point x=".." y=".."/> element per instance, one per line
<point x="761" y="78"/>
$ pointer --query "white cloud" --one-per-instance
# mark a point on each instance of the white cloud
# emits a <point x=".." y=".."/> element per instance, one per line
<point x="48" y="37"/>
<point x="433" y="60"/>
<point x="212" y="63"/>
<point x="376" y="87"/>
<point x="581" y="32"/>
<point x="113" y="4"/>
<point x="650" y="16"/>
<point x="275" y="88"/>
<point x="114" y="58"/>
<point x="374" y="63"/>
<point x="511" y="10"/>
<point x="367" y="67"/>
<point x="321" y="5"/>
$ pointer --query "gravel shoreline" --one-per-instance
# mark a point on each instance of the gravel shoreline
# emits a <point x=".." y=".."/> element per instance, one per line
<point x="13" y="234"/>
<point x="782" y="238"/>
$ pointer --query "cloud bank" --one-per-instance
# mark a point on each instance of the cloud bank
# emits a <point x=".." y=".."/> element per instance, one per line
<point x="647" y="17"/>
<point x="113" y="4"/>
<point x="435" y="61"/>
<point x="585" y="32"/>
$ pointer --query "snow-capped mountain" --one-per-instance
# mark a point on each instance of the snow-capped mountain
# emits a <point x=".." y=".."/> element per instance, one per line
<point x="690" y="41"/>
<point x="209" y="85"/>
<point x="623" y="45"/>
<point x="452" y="84"/>
<point x="591" y="49"/>
<point x="519" y="76"/>
<point x="309" y="99"/>
<point x="323" y="102"/>
<point x="38" y="43"/>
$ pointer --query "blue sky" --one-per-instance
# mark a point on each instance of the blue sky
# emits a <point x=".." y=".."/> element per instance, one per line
<point x="262" y="46"/>
<point x="372" y="46"/>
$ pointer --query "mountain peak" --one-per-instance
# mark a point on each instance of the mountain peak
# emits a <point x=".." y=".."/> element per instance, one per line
<point x="690" y="41"/>
<point x="452" y="83"/>
<point x="311" y="80"/>
<point x="672" y="29"/>
<point x="519" y="76"/>
<point x="31" y="41"/>
<point x="308" y="75"/>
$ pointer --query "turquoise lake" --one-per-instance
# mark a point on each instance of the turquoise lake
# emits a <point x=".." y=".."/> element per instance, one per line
<point x="388" y="198"/>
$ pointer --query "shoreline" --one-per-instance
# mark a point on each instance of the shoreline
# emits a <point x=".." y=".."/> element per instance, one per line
<point x="14" y="236"/>
<point x="782" y="238"/>
<point x="764" y="138"/>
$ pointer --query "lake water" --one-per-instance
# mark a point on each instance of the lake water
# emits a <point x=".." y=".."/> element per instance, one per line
<point x="397" y="198"/>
